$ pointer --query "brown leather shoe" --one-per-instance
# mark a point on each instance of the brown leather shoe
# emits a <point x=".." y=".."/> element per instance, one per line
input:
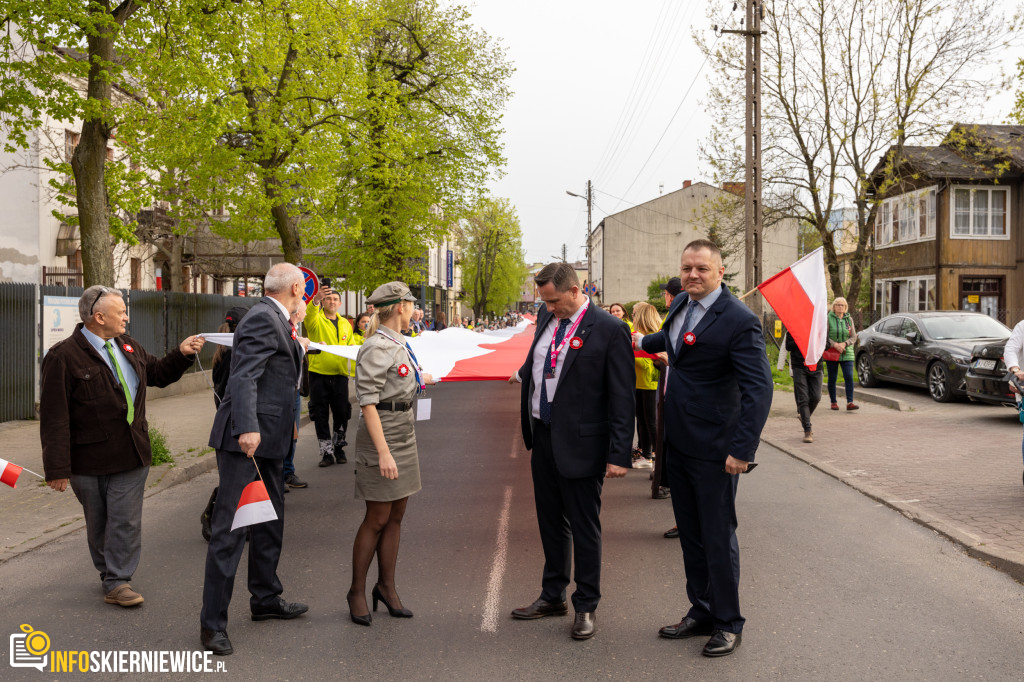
<point x="851" y="406"/>
<point x="808" y="436"/>
<point x="585" y="625"/>
<point x="124" y="595"/>
<point x="540" y="609"/>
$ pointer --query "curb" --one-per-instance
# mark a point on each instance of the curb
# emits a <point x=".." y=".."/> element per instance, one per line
<point x="1011" y="563"/>
<point x="165" y="477"/>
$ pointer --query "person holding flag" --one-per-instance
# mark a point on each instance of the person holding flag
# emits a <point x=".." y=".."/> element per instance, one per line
<point x="717" y="402"/>
<point x="92" y="424"/>
<point x="388" y="379"/>
<point x="252" y="433"/>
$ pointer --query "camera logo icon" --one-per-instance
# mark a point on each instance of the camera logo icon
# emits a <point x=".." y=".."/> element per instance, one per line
<point x="29" y="648"/>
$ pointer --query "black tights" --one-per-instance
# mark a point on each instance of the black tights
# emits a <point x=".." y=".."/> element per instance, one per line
<point x="379" y="534"/>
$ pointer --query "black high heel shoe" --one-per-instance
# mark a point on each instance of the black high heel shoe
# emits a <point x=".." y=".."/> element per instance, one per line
<point x="359" y="620"/>
<point x="395" y="613"/>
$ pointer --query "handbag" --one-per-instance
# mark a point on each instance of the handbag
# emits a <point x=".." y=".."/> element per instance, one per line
<point x="831" y="355"/>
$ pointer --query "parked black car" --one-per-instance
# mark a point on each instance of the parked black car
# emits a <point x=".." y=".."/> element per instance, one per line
<point x="987" y="376"/>
<point x="928" y="349"/>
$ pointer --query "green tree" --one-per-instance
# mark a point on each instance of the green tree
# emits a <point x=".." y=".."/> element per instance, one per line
<point x="66" y="60"/>
<point x="493" y="266"/>
<point x="656" y="295"/>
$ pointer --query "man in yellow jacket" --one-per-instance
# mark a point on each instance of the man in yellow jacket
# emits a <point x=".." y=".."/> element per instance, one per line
<point x="328" y="375"/>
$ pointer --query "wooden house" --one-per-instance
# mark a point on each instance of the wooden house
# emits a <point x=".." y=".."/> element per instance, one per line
<point x="949" y="230"/>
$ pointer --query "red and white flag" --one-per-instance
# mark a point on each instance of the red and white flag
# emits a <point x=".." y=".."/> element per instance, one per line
<point x="254" y="506"/>
<point x="9" y="473"/>
<point x="800" y="299"/>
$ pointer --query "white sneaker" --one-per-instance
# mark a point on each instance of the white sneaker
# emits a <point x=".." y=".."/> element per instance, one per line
<point x="642" y="463"/>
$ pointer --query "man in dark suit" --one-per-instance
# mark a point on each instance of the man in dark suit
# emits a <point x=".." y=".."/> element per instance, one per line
<point x="577" y="416"/>
<point x="718" y="397"/>
<point x="254" y="424"/>
<point x="92" y="424"/>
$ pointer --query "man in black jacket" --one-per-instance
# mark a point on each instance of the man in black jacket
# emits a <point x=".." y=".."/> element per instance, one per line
<point x="577" y="416"/>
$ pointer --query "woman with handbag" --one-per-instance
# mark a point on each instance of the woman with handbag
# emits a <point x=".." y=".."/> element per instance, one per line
<point x="839" y="353"/>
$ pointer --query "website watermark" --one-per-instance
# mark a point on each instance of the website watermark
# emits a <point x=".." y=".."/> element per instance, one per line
<point x="31" y="648"/>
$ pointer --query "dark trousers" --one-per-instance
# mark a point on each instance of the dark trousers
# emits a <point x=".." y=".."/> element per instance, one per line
<point x="833" y="374"/>
<point x="328" y="394"/>
<point x="113" y="522"/>
<point x="704" y="503"/>
<point x="289" y="460"/>
<point x="568" y="514"/>
<point x="807" y="389"/>
<point x="226" y="545"/>
<point x="646" y="419"/>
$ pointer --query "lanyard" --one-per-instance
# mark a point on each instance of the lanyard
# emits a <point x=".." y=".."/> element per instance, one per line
<point x="420" y="386"/>
<point x="568" y="335"/>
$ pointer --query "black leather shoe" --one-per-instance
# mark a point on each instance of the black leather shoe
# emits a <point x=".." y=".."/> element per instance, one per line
<point x="540" y="609"/>
<point x="282" y="609"/>
<point x="687" y="627"/>
<point x="722" y="643"/>
<point x="663" y="493"/>
<point x="672" y="532"/>
<point x="216" y="641"/>
<point x="585" y="625"/>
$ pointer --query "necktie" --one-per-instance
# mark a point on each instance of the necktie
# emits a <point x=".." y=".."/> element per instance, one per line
<point x="545" y="406"/>
<point x="690" y="307"/>
<point x="120" y="379"/>
<point x="415" y="368"/>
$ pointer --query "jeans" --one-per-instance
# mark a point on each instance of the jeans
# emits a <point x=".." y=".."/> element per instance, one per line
<point x="807" y="390"/>
<point x="289" y="460"/>
<point x="833" y="374"/>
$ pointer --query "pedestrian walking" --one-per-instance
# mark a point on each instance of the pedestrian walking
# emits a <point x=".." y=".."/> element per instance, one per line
<point x="841" y="337"/>
<point x="806" y="386"/>
<point x="92" y="424"/>
<point x="388" y="380"/>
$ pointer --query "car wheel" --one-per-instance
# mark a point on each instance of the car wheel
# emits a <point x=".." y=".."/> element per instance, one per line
<point x="865" y="375"/>
<point x="938" y="383"/>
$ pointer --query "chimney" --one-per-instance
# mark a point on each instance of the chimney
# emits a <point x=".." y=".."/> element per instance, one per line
<point x="686" y="183"/>
<point x="737" y="188"/>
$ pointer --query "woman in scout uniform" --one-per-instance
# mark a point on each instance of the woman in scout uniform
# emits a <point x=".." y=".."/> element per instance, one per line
<point x="388" y="378"/>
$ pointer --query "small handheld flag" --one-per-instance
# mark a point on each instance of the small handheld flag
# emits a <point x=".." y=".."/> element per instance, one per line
<point x="9" y="473"/>
<point x="254" y="506"/>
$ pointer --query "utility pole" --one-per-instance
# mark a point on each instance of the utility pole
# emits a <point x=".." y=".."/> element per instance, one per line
<point x="753" y="214"/>
<point x="590" y="214"/>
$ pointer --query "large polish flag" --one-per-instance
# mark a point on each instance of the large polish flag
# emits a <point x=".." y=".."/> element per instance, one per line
<point x="800" y="299"/>
<point x="254" y="506"/>
<point x="9" y="473"/>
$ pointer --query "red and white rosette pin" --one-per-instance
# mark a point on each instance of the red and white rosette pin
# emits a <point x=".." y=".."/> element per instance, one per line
<point x="403" y="371"/>
<point x="128" y="348"/>
<point x="575" y="343"/>
<point x="689" y="338"/>
<point x="294" y="335"/>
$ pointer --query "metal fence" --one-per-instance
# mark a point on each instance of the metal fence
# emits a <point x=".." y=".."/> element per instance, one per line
<point x="158" y="320"/>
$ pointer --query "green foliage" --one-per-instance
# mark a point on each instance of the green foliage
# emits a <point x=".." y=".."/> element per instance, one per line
<point x="655" y="294"/>
<point x="493" y="266"/>
<point x="158" y="445"/>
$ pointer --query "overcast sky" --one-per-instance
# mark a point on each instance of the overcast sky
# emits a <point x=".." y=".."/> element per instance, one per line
<point x="578" y="62"/>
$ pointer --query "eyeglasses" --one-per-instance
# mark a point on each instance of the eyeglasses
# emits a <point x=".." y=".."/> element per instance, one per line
<point x="103" y="292"/>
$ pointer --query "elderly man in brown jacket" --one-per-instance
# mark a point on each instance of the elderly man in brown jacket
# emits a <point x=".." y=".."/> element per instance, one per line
<point x="92" y="423"/>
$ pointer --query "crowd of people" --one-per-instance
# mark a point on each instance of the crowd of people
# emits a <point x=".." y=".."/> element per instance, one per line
<point x="579" y="413"/>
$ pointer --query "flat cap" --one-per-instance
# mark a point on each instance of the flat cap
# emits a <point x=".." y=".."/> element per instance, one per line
<point x="674" y="286"/>
<point x="389" y="293"/>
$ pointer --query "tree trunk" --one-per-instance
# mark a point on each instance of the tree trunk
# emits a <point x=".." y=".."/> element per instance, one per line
<point x="87" y="164"/>
<point x="287" y="229"/>
<point x="174" y="263"/>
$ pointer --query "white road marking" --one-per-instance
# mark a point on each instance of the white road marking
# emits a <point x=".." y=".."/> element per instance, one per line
<point x="490" y="620"/>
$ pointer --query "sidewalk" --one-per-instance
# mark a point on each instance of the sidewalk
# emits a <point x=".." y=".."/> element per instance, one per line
<point x="955" y="468"/>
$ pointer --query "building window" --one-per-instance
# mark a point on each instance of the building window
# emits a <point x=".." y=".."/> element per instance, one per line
<point x="981" y="213"/>
<point x="982" y="295"/>
<point x="909" y="294"/>
<point x="906" y="218"/>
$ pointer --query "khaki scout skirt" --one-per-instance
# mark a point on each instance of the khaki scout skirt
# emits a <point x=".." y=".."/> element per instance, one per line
<point x="400" y="434"/>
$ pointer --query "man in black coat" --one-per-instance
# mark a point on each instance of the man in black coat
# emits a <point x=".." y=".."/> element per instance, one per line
<point x="577" y="416"/>
<point x="93" y="428"/>
<point x="717" y="401"/>
<point x="254" y="422"/>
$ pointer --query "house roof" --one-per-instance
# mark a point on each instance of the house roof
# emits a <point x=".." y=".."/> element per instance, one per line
<point x="969" y="152"/>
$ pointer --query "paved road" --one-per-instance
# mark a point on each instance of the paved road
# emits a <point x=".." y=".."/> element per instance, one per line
<point x="835" y="585"/>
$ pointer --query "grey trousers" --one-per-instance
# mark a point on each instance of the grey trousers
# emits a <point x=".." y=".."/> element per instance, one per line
<point x="113" y="522"/>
